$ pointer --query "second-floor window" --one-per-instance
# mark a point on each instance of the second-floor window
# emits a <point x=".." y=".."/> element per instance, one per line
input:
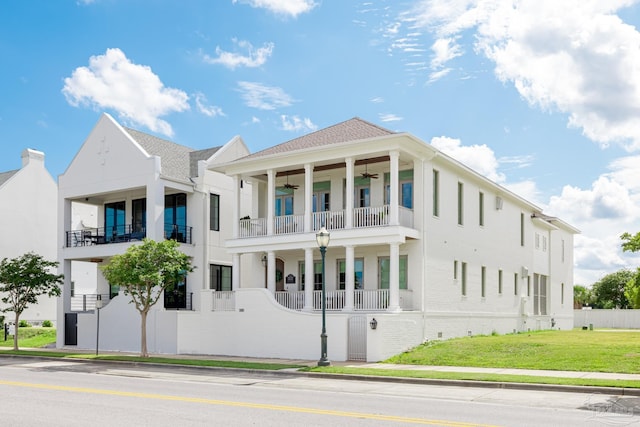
<point x="214" y="212"/>
<point x="284" y="201"/>
<point x="405" y="188"/>
<point x="175" y="216"/>
<point x="321" y="196"/>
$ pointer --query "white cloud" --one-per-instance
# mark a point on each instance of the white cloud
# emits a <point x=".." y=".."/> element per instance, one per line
<point x="263" y="97"/>
<point x="207" y="110"/>
<point x="291" y="8"/>
<point x="296" y="124"/>
<point x="602" y="212"/>
<point x="112" y="81"/>
<point x="377" y="100"/>
<point x="480" y="158"/>
<point x="571" y="56"/>
<point x="390" y="117"/>
<point x="254" y="57"/>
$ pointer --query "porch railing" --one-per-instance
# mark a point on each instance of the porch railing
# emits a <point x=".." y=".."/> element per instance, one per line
<point x="87" y="302"/>
<point x="253" y="227"/>
<point x="332" y="220"/>
<point x="123" y="233"/>
<point x="287" y="224"/>
<point x="371" y="216"/>
<point x="223" y="301"/>
<point x="363" y="300"/>
<point x="290" y="300"/>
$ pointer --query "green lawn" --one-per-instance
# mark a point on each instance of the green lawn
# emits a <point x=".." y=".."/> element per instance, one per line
<point x="576" y="350"/>
<point x="30" y="337"/>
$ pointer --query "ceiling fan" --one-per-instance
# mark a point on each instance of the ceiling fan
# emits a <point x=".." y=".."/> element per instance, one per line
<point x="366" y="174"/>
<point x="290" y="186"/>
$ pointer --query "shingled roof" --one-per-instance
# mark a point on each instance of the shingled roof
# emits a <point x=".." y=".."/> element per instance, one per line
<point x="5" y="176"/>
<point x="351" y="130"/>
<point x="178" y="161"/>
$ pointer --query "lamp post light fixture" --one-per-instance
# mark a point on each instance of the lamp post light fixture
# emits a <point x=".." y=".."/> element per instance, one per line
<point x="322" y="238"/>
<point x="98" y="307"/>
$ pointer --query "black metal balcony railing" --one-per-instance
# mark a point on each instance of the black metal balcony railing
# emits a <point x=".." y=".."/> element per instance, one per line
<point x="123" y="233"/>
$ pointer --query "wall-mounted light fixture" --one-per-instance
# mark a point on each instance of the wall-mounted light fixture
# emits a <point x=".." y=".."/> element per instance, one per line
<point x="373" y="323"/>
<point x="264" y="260"/>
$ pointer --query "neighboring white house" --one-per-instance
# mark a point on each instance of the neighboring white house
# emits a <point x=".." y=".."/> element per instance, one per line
<point x="28" y="222"/>
<point x="421" y="246"/>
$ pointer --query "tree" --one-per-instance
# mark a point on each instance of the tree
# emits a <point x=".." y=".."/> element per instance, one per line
<point x="609" y="292"/>
<point x="632" y="292"/>
<point x="23" y="280"/>
<point x="144" y="271"/>
<point x="630" y="243"/>
<point x="581" y="296"/>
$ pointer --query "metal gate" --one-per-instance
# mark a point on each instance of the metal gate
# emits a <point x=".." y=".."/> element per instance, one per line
<point x="357" y="339"/>
<point x="71" y="329"/>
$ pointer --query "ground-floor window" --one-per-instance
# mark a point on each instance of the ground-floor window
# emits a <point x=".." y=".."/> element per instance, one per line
<point x="317" y="275"/>
<point x="539" y="294"/>
<point x="175" y="296"/>
<point x="383" y="272"/>
<point x="220" y="277"/>
<point x="358" y="267"/>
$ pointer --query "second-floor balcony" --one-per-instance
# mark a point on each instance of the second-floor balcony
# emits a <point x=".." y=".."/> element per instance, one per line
<point x="374" y="216"/>
<point x="122" y="234"/>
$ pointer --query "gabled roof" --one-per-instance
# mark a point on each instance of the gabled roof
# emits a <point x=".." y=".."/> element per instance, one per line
<point x="351" y="130"/>
<point x="178" y="161"/>
<point x="5" y="176"/>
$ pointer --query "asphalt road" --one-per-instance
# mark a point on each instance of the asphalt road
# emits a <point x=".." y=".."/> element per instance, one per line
<point x="37" y="392"/>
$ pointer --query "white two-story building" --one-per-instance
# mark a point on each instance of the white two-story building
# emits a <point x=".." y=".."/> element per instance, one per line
<point x="421" y="247"/>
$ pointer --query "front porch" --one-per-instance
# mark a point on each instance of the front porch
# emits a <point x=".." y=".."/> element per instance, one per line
<point x="373" y="216"/>
<point x="376" y="300"/>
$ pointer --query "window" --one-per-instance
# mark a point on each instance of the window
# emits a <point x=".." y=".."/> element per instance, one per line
<point x="383" y="272"/>
<point x="321" y="196"/>
<point x="139" y="215"/>
<point x="515" y="284"/>
<point x="460" y="203"/>
<point x="499" y="282"/>
<point x="284" y="201"/>
<point x="220" y="277"/>
<point x="175" y="217"/>
<point x="562" y="293"/>
<point x="521" y="229"/>
<point x="317" y="275"/>
<point x="464" y="279"/>
<point x="481" y="209"/>
<point x="455" y="270"/>
<point x="358" y="267"/>
<point x="537" y="241"/>
<point x="562" y="250"/>
<point x="483" y="281"/>
<point x="114" y="221"/>
<point x="436" y="193"/>
<point x="214" y="212"/>
<point x="405" y="187"/>
<point x="544" y="243"/>
<point x="528" y="286"/>
<point x="539" y="294"/>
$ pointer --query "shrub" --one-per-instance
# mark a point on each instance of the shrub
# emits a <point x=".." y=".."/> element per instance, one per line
<point x="24" y="324"/>
<point x="47" y="324"/>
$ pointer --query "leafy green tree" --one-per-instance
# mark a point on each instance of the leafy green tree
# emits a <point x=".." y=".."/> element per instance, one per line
<point x="609" y="292"/>
<point x="23" y="280"/>
<point x="632" y="292"/>
<point x="581" y="296"/>
<point x="144" y="271"/>
<point x="630" y="243"/>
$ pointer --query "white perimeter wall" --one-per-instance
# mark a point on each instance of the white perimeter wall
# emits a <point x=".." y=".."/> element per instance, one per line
<point x="618" y="319"/>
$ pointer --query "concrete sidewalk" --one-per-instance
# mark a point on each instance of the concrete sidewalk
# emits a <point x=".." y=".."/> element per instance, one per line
<point x="381" y="366"/>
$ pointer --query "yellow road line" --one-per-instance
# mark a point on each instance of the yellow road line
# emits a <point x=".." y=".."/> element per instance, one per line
<point x="243" y="404"/>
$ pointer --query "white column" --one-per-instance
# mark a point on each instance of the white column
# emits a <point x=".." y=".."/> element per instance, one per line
<point x="394" y="183"/>
<point x="308" y="196"/>
<point x="348" y="221"/>
<point x="271" y="199"/>
<point x="394" y="277"/>
<point x="155" y="210"/>
<point x="271" y="272"/>
<point x="235" y="211"/>
<point x="349" y="281"/>
<point x="235" y="272"/>
<point x="308" y="279"/>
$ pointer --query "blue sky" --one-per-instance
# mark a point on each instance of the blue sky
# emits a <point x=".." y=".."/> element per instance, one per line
<point x="542" y="96"/>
